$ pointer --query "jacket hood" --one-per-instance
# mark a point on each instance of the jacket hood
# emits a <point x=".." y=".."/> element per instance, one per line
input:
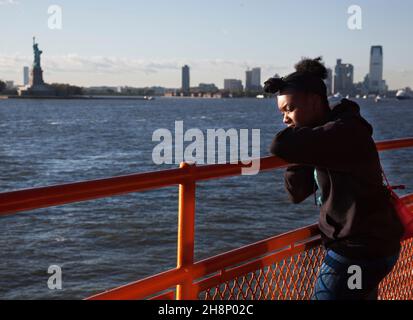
<point x="349" y="109"/>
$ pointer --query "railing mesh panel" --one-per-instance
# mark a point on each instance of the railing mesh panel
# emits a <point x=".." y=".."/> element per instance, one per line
<point x="294" y="277"/>
<point x="398" y="285"/>
<point x="289" y="279"/>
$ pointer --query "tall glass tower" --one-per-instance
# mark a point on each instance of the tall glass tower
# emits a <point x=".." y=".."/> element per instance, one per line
<point x="26" y="76"/>
<point x="253" y="80"/>
<point x="344" y="78"/>
<point x="185" y="80"/>
<point x="376" y="70"/>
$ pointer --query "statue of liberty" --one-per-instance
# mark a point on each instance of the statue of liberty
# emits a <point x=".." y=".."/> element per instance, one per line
<point x="37" y="72"/>
<point x="37" y="54"/>
<point x="37" y="87"/>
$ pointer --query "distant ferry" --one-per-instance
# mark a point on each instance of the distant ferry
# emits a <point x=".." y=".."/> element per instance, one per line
<point x="403" y="95"/>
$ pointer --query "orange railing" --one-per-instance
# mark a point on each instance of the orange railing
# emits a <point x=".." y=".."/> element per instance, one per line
<point x="282" y="267"/>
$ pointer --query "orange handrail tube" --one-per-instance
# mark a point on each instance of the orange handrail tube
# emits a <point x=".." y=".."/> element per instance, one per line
<point x="36" y="198"/>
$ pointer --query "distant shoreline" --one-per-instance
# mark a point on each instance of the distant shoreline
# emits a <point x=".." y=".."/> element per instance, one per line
<point x="114" y="97"/>
<point x="77" y="98"/>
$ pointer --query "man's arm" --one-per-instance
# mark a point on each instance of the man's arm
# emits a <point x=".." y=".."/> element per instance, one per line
<point x="338" y="145"/>
<point x="299" y="182"/>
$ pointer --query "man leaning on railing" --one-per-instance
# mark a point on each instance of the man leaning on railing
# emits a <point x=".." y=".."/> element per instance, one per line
<point x="332" y="150"/>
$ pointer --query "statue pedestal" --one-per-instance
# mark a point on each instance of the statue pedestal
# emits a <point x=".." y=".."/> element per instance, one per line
<point x="36" y="77"/>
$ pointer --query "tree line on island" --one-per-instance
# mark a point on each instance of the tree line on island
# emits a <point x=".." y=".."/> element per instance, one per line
<point x="66" y="90"/>
<point x="61" y="89"/>
<point x="2" y="86"/>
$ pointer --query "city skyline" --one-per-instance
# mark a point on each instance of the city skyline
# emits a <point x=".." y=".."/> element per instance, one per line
<point x="253" y="75"/>
<point x="341" y="82"/>
<point x="89" y="52"/>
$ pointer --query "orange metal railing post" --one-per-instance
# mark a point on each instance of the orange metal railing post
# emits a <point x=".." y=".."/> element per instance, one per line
<point x="186" y="234"/>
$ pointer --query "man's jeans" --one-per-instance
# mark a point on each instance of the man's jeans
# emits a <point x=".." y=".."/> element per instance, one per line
<point x="341" y="278"/>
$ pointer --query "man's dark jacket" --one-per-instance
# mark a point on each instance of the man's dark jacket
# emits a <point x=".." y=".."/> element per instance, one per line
<point x="356" y="216"/>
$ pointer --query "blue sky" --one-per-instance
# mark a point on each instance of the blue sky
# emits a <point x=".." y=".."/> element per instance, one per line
<point x="145" y="42"/>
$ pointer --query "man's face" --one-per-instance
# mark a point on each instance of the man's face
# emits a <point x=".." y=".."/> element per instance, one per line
<point x="298" y="110"/>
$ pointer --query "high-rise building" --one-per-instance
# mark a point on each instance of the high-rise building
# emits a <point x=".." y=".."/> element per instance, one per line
<point x="376" y="83"/>
<point x="253" y="80"/>
<point x="344" y="78"/>
<point x="186" y="83"/>
<point x="256" y="78"/>
<point x="26" y="76"/>
<point x="329" y="82"/>
<point x="248" y="80"/>
<point x="233" y="85"/>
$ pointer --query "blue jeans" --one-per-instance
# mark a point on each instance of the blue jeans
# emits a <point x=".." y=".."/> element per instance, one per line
<point x="341" y="278"/>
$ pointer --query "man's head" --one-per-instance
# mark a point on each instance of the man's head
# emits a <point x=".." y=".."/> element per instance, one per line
<point x="302" y="96"/>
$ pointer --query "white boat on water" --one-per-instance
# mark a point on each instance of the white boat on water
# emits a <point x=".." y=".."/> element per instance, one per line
<point x="378" y="99"/>
<point x="403" y="95"/>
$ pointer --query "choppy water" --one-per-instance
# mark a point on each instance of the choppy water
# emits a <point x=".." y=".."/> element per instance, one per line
<point x="106" y="243"/>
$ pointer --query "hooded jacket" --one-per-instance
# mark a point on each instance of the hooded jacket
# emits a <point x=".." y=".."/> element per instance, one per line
<point x="340" y="159"/>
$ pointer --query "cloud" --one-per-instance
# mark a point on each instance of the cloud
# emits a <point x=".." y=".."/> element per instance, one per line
<point x="107" y="65"/>
<point x="136" y="71"/>
<point x="132" y="71"/>
<point x="10" y="63"/>
<point x="92" y="64"/>
<point x="8" y="2"/>
<point x="110" y="65"/>
<point x="406" y="73"/>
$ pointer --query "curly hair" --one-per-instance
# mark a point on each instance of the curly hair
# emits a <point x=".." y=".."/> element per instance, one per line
<point x="314" y="66"/>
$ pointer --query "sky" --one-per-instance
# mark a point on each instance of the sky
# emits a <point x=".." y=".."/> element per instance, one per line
<point x="145" y="43"/>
